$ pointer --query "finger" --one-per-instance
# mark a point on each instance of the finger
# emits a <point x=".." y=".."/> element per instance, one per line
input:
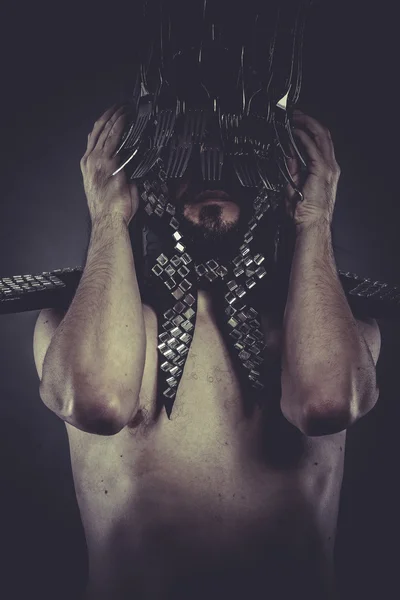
<point x="312" y="150"/>
<point x="103" y="135"/>
<point x="98" y="126"/>
<point x="294" y="170"/>
<point x="315" y="127"/>
<point x="320" y="133"/>
<point x="289" y="199"/>
<point x="114" y="134"/>
<point x="293" y="164"/>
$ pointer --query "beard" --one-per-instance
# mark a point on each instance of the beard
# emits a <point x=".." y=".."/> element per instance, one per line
<point x="213" y="236"/>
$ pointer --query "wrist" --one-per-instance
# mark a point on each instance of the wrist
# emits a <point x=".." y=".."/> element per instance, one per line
<point x="109" y="220"/>
<point x="318" y="225"/>
<point x="313" y="242"/>
<point x="108" y="229"/>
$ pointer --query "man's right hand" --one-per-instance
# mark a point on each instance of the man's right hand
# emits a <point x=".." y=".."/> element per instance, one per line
<point x="107" y="194"/>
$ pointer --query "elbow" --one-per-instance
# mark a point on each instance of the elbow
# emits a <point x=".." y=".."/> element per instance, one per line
<point x="326" y="417"/>
<point x="317" y="421"/>
<point x="314" y="417"/>
<point x="100" y="415"/>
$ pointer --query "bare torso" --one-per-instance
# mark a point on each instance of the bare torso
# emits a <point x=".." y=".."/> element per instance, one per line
<point x="214" y="503"/>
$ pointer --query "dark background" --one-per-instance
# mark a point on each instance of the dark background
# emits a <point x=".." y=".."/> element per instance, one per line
<point x="62" y="66"/>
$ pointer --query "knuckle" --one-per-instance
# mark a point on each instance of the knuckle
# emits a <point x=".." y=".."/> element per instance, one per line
<point x="111" y="133"/>
<point x="333" y="171"/>
<point x="94" y="157"/>
<point x="89" y="163"/>
<point x="115" y="129"/>
<point x="98" y="167"/>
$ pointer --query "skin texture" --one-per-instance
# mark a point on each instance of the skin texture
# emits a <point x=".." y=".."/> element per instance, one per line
<point x="107" y="194"/>
<point x="323" y="172"/>
<point x="94" y="365"/>
<point x="328" y="376"/>
<point x="219" y="501"/>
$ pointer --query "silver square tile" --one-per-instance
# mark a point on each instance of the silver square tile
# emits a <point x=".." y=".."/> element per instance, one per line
<point x="179" y="307"/>
<point x="162" y="260"/>
<point x="180" y="247"/>
<point x="183" y="271"/>
<point x="190" y="299"/>
<point x="178" y="293"/>
<point x="170" y="270"/>
<point x="185" y="285"/>
<point x="178" y="320"/>
<point x="189" y="313"/>
<point x="176" y="261"/>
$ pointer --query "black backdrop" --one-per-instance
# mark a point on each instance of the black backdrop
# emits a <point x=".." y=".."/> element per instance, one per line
<point x="62" y="66"/>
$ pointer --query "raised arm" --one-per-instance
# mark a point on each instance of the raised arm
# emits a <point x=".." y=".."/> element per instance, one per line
<point x="329" y="357"/>
<point x="93" y="367"/>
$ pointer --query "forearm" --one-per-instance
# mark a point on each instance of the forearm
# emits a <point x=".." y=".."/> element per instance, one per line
<point x="96" y="358"/>
<point x="327" y="368"/>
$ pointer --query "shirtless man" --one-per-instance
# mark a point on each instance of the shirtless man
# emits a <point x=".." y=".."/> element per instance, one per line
<point x="214" y="503"/>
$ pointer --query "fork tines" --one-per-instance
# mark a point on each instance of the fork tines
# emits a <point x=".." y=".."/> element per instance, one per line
<point x="229" y="125"/>
<point x="165" y="126"/>
<point x="147" y="162"/>
<point x="246" y="169"/>
<point x="198" y="125"/>
<point x="182" y="146"/>
<point x="136" y="130"/>
<point x="262" y="165"/>
<point x="179" y="157"/>
<point x="212" y="161"/>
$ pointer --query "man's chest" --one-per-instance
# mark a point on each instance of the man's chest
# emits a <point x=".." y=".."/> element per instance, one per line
<point x="211" y="384"/>
<point x="214" y="413"/>
<point x="215" y="429"/>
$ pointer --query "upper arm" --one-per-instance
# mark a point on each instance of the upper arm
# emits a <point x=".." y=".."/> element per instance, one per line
<point x="369" y="329"/>
<point x="46" y="325"/>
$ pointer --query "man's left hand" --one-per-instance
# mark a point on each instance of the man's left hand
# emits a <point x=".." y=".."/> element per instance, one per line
<point x="319" y="189"/>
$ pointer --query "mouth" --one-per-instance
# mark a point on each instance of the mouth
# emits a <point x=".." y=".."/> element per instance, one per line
<point x="212" y="195"/>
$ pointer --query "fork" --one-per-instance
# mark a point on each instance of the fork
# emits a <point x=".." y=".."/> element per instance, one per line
<point x="148" y="161"/>
<point x="245" y="166"/>
<point x="211" y="151"/>
<point x="165" y="113"/>
<point x="179" y="156"/>
<point x="193" y="125"/>
<point x="135" y="107"/>
<point x="144" y="114"/>
<point x="263" y="162"/>
<point x="238" y="145"/>
<point x="165" y="124"/>
<point x="132" y="141"/>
